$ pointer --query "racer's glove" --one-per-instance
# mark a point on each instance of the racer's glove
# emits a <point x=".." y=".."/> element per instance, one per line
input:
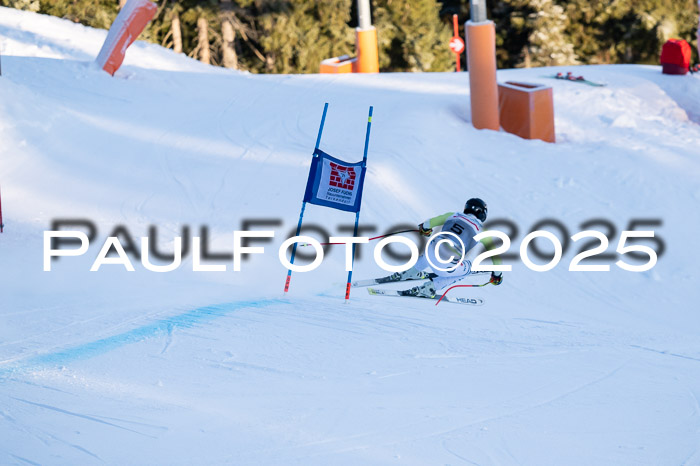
<point x="496" y="278"/>
<point x="424" y="231"/>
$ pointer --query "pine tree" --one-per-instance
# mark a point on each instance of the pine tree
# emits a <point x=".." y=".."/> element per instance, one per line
<point x="298" y="34"/>
<point x="95" y="13"/>
<point x="293" y="36"/>
<point x="27" y="5"/>
<point x="411" y="36"/>
<point x="548" y="44"/>
<point x="626" y="31"/>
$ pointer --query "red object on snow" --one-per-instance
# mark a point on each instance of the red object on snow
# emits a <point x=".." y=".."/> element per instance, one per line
<point x="131" y="20"/>
<point x="675" y="56"/>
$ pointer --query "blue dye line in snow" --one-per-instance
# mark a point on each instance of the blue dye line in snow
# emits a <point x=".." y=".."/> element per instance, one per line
<point x="159" y="328"/>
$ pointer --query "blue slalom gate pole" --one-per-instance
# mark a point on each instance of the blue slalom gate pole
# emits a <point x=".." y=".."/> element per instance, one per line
<point x="303" y="204"/>
<point x="357" y="215"/>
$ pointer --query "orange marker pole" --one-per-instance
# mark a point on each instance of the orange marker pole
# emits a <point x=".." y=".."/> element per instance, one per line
<point x="481" y="59"/>
<point x="366" y="50"/>
<point x="365" y="40"/>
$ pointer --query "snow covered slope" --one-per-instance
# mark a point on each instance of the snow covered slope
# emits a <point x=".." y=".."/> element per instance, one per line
<point x="191" y="368"/>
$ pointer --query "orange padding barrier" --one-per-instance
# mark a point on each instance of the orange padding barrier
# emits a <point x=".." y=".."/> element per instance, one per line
<point x="527" y="110"/>
<point x="342" y="64"/>
<point x="130" y="21"/>
<point x="481" y="59"/>
<point x="366" y="50"/>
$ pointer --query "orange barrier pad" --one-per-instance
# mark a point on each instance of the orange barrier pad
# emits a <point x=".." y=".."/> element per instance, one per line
<point x="130" y="21"/>
<point x="481" y="59"/>
<point x="527" y="110"/>
<point x="342" y="64"/>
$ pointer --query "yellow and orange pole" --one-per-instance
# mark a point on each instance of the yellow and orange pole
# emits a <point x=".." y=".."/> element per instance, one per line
<point x="366" y="41"/>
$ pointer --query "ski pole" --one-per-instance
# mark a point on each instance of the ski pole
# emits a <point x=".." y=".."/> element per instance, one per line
<point x="371" y="239"/>
<point x="461" y="286"/>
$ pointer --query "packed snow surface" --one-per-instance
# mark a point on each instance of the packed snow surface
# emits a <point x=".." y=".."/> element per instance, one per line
<point x="120" y="367"/>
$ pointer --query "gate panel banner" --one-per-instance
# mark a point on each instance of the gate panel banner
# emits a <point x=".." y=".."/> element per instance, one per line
<point x="334" y="183"/>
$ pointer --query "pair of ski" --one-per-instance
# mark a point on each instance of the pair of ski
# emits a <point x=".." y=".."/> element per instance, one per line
<point x="576" y="79"/>
<point x="380" y="292"/>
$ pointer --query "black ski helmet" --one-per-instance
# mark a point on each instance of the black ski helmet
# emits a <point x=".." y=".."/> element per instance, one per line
<point x="476" y="207"/>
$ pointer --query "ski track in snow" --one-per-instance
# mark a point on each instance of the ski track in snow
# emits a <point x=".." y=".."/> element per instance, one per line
<point x="151" y="330"/>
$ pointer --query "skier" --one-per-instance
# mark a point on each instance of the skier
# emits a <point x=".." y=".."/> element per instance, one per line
<point x="465" y="225"/>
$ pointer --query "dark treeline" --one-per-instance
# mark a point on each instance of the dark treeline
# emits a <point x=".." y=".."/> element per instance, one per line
<point x="293" y="36"/>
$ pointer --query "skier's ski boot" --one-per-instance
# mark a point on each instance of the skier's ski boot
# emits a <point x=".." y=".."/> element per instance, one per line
<point x="410" y="274"/>
<point x="426" y="290"/>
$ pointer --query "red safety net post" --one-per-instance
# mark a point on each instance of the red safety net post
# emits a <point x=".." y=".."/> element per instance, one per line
<point x="456" y="43"/>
